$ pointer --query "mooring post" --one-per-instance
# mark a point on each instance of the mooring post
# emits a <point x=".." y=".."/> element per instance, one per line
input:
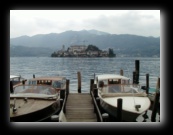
<point x="94" y="86"/>
<point x="61" y="102"/>
<point x="147" y="83"/>
<point x="156" y="102"/>
<point x="134" y="77"/>
<point x="11" y="87"/>
<point x="62" y="94"/>
<point x="23" y="82"/>
<point x="155" y="107"/>
<point x="64" y="109"/>
<point x="79" y="81"/>
<point x="119" y="109"/>
<point x="121" y="72"/>
<point x="67" y="87"/>
<point x="158" y="83"/>
<point x="33" y="75"/>
<point x="137" y="66"/>
<point x="95" y="92"/>
<point x="91" y="84"/>
<point x="158" y="89"/>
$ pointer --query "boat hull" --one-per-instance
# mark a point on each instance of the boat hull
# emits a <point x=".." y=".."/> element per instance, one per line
<point x="127" y="116"/>
<point x="112" y="111"/>
<point x="35" y="114"/>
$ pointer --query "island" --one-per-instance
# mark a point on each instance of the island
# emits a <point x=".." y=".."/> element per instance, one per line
<point x="83" y="51"/>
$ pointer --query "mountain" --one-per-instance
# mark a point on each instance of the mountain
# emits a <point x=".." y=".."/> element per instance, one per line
<point x="123" y="44"/>
<point x="22" y="51"/>
<point x="96" y="32"/>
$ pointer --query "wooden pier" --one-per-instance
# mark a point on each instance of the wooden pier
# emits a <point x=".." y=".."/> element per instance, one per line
<point x="80" y="108"/>
<point x="85" y="107"/>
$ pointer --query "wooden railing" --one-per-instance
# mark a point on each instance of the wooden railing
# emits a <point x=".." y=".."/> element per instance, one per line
<point x="96" y="109"/>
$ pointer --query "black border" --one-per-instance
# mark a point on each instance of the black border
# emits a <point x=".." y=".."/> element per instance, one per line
<point x="98" y="127"/>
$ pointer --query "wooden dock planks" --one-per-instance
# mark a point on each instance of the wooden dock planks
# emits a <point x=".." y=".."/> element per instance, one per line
<point x="79" y="108"/>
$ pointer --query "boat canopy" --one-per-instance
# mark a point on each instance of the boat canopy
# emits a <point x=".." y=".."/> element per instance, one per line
<point x="55" y="82"/>
<point x="14" y="76"/>
<point x="111" y="76"/>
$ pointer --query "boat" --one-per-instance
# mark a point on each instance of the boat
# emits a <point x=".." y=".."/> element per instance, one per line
<point x="36" y="100"/>
<point x="112" y="87"/>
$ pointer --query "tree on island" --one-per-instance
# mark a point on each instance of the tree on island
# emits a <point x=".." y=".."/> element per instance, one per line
<point x="111" y="53"/>
<point x="92" y="48"/>
<point x="54" y="54"/>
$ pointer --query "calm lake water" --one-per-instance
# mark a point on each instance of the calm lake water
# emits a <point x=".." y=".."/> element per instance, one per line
<point x="68" y="67"/>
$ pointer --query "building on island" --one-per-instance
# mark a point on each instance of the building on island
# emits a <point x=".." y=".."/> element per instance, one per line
<point x="82" y="51"/>
<point x="77" y="48"/>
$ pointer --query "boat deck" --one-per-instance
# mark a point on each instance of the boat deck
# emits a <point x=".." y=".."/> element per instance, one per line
<point x="80" y="108"/>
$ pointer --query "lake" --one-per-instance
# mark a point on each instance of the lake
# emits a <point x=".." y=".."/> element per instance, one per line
<point x="68" y="67"/>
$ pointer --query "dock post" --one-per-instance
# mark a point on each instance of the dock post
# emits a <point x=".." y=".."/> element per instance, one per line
<point x="156" y="102"/>
<point x="119" y="109"/>
<point x="91" y="84"/>
<point x="23" y="82"/>
<point x="94" y="86"/>
<point x="147" y="83"/>
<point x="67" y="87"/>
<point x="137" y="66"/>
<point x="134" y="77"/>
<point x="33" y="75"/>
<point x="95" y="92"/>
<point x="11" y="87"/>
<point x="79" y="81"/>
<point x="158" y="84"/>
<point x="61" y="102"/>
<point x="121" y="72"/>
<point x="155" y="106"/>
<point x="62" y="94"/>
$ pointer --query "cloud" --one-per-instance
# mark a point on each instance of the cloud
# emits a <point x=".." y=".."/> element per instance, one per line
<point x="127" y="23"/>
<point x="145" y="23"/>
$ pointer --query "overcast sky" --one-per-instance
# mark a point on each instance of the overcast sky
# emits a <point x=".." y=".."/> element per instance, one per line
<point x="32" y="22"/>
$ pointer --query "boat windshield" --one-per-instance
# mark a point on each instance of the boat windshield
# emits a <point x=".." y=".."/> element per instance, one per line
<point x="35" y="89"/>
<point x="54" y="84"/>
<point x="120" y="88"/>
<point x="57" y="84"/>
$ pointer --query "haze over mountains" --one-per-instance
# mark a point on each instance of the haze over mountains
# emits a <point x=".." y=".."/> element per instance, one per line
<point x="123" y="45"/>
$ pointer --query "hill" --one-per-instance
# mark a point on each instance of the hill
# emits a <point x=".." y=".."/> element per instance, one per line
<point x="123" y="44"/>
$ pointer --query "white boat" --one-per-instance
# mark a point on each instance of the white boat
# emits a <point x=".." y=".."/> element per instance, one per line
<point x="36" y="100"/>
<point x="111" y="87"/>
